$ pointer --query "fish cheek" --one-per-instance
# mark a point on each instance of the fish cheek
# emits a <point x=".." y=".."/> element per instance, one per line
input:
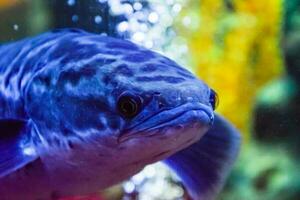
<point x="82" y="113"/>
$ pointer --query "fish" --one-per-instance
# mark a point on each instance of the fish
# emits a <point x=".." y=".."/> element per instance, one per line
<point x="80" y="112"/>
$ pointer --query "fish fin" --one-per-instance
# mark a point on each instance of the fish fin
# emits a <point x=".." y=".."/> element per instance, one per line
<point x="204" y="165"/>
<point x="16" y="148"/>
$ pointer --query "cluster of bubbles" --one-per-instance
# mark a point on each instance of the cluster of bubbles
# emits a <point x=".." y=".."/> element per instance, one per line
<point x="152" y="183"/>
<point x="97" y="19"/>
<point x="149" y="23"/>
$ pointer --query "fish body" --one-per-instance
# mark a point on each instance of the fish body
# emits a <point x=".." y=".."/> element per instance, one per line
<point x="80" y="112"/>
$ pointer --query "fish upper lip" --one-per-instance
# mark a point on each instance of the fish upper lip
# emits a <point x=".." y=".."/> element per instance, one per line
<point x="163" y="117"/>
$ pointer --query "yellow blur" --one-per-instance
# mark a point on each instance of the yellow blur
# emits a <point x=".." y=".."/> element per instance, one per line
<point x="235" y="49"/>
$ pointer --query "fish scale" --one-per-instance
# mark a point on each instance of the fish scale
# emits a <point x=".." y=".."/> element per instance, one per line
<point x="80" y="112"/>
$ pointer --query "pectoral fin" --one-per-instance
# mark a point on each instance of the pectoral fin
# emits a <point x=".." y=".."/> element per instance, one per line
<point x="204" y="166"/>
<point x="16" y="148"/>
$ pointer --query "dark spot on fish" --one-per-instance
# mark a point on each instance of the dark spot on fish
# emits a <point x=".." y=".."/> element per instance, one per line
<point x="71" y="76"/>
<point x="168" y="79"/>
<point x="97" y="103"/>
<point x="109" y="79"/>
<point x="70" y="144"/>
<point x="124" y="70"/>
<point x="161" y="105"/>
<point x="122" y="45"/>
<point x="45" y="80"/>
<point x="139" y="57"/>
<point x="75" y="75"/>
<point x="87" y="71"/>
<point x="64" y="130"/>
<point x="113" y="123"/>
<point x="149" y="68"/>
<point x="106" y="79"/>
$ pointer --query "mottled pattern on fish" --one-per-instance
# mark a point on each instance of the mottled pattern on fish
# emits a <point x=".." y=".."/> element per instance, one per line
<point x="95" y="111"/>
<point x="74" y="72"/>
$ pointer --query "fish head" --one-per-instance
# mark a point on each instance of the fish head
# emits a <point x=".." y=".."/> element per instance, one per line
<point x="101" y="87"/>
<point x="163" y="108"/>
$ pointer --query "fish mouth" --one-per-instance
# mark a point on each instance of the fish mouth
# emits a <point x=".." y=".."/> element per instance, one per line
<point x="178" y="117"/>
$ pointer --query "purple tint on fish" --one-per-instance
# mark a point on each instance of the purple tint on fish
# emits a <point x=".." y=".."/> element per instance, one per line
<point x="80" y="112"/>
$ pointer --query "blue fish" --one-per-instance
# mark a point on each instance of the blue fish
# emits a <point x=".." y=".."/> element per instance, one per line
<point x="80" y="112"/>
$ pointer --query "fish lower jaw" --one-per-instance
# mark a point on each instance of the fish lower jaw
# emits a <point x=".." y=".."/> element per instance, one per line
<point x="161" y="145"/>
<point x="96" y="168"/>
<point x="123" y="162"/>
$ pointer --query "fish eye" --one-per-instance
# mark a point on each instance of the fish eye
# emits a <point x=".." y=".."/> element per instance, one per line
<point x="213" y="99"/>
<point x="129" y="105"/>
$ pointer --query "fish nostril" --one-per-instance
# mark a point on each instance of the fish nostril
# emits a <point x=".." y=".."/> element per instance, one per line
<point x="161" y="105"/>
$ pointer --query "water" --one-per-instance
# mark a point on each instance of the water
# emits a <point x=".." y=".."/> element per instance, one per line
<point x="248" y="51"/>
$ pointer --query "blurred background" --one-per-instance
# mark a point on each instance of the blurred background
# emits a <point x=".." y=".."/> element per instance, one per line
<point x="248" y="51"/>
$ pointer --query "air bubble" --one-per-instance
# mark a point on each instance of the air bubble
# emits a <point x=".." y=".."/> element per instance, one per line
<point x="153" y="17"/>
<point x="16" y="27"/>
<point x="129" y="187"/>
<point x="137" y="6"/>
<point x="98" y="19"/>
<point x="127" y="8"/>
<point x="187" y="21"/>
<point x="75" y="18"/>
<point x="71" y="2"/>
<point x="123" y="26"/>
<point x="138" y="37"/>
<point x="176" y="8"/>
<point x="149" y="44"/>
